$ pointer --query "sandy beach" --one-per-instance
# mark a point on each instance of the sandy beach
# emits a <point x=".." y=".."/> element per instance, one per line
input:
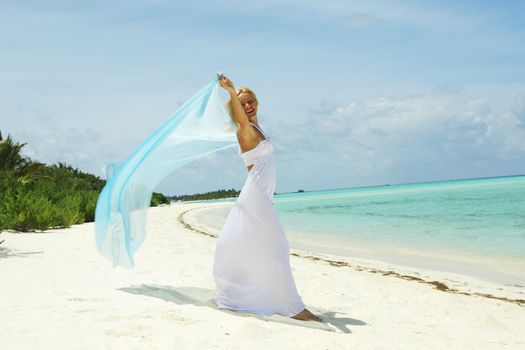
<point x="57" y="292"/>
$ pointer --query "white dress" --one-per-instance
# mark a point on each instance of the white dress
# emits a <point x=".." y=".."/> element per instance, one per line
<point x="252" y="258"/>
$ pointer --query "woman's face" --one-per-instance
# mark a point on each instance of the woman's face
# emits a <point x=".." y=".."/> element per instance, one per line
<point x="249" y="104"/>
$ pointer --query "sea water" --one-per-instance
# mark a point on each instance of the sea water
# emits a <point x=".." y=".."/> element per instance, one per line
<point x="476" y="226"/>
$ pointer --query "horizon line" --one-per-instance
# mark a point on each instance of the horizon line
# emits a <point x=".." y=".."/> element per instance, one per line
<point x="403" y="183"/>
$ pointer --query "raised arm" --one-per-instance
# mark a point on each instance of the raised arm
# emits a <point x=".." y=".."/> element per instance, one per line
<point x="238" y="112"/>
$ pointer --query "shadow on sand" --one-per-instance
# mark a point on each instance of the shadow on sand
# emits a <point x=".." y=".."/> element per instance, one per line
<point x="205" y="297"/>
<point x="6" y="253"/>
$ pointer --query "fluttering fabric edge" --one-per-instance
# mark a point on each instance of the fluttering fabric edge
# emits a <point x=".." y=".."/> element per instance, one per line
<point x="199" y="127"/>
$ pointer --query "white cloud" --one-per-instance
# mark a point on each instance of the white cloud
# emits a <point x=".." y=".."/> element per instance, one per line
<point x="50" y="143"/>
<point x="443" y="134"/>
<point x="518" y="109"/>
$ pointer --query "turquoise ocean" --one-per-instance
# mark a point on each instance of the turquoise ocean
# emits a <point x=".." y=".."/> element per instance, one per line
<point x="472" y="226"/>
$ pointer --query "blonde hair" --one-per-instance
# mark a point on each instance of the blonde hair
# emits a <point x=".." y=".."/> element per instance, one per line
<point x="246" y="90"/>
<point x="239" y="91"/>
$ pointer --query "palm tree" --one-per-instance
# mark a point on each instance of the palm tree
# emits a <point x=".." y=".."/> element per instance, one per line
<point x="10" y="157"/>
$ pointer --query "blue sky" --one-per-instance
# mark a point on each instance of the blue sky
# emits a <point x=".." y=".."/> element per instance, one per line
<point x="353" y="93"/>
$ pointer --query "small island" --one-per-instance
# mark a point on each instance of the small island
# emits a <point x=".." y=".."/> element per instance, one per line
<point x="219" y="194"/>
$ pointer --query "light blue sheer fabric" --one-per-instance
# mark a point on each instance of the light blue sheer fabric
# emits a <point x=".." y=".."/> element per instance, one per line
<point x="199" y="127"/>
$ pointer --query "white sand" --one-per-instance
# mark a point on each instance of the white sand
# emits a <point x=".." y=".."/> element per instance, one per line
<point x="57" y="292"/>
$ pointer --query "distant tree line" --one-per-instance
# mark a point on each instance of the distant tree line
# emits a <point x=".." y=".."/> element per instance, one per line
<point x="220" y="194"/>
<point x="36" y="196"/>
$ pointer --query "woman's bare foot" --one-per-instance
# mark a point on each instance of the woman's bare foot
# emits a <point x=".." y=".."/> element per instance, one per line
<point x="306" y="315"/>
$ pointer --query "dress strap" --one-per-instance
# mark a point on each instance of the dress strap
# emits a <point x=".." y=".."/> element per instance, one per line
<point x="262" y="132"/>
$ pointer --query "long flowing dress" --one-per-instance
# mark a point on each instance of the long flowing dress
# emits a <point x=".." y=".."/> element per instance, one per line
<point x="252" y="258"/>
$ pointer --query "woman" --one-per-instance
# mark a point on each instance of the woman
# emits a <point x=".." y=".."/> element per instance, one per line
<point x="252" y="258"/>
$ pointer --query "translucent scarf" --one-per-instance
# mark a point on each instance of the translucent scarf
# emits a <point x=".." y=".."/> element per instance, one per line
<point x="199" y="127"/>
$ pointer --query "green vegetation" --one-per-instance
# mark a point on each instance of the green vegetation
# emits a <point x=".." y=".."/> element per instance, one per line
<point x="220" y="194"/>
<point x="158" y="199"/>
<point x="36" y="196"/>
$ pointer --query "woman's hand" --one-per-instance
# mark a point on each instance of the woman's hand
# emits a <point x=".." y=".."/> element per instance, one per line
<point x="227" y="84"/>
